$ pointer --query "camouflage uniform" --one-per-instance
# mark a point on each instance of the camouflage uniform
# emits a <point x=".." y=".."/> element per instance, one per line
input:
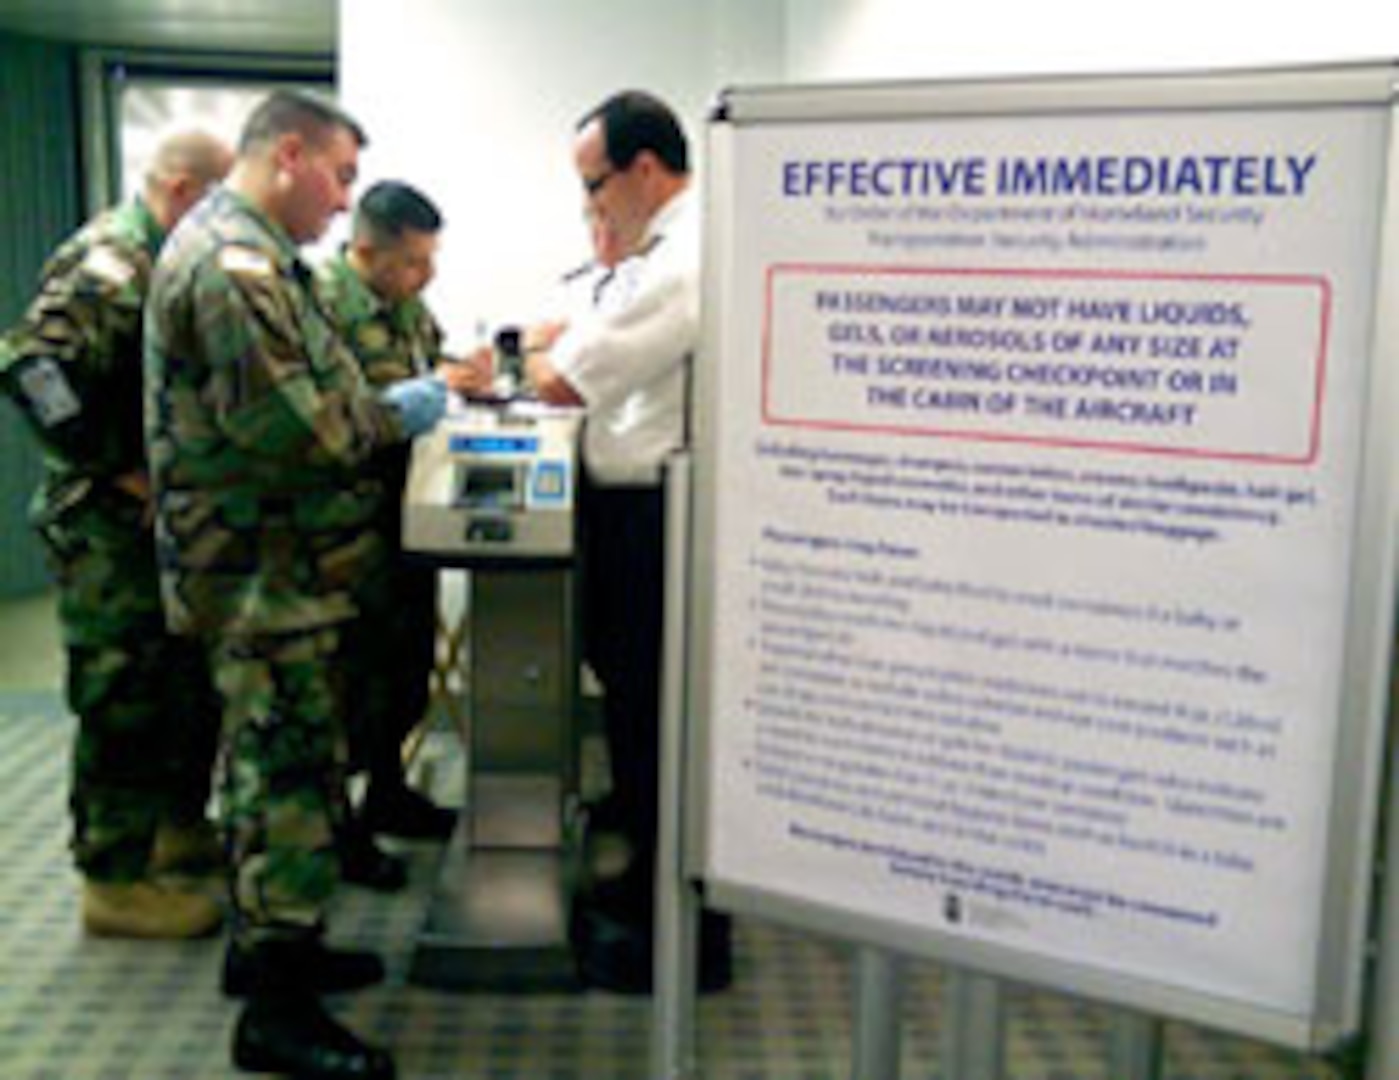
<point x="147" y="716"/>
<point x="258" y="422"/>
<point x="390" y="648"/>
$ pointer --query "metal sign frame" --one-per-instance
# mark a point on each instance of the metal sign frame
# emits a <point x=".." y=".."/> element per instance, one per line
<point x="1357" y="789"/>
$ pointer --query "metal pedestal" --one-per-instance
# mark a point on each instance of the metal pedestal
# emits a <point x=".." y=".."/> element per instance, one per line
<point x="499" y="916"/>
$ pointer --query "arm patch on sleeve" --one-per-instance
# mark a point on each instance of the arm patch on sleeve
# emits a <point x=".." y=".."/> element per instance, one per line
<point x="47" y="394"/>
<point x="244" y="260"/>
<point x="109" y="267"/>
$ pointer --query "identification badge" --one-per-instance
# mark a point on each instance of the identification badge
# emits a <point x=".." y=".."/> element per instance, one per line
<point x="51" y="398"/>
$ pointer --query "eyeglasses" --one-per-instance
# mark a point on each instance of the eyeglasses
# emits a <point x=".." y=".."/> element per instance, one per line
<point x="593" y="184"/>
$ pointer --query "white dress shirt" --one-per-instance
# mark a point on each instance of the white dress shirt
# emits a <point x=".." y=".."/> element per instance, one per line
<point x="629" y="358"/>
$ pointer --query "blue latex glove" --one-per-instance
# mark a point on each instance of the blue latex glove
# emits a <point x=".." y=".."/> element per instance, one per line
<point x="419" y="402"/>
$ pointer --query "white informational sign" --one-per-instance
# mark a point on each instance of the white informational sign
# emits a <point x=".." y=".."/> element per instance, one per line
<point x="1034" y="512"/>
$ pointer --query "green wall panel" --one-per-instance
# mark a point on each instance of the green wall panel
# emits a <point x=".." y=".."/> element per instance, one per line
<point x="39" y="205"/>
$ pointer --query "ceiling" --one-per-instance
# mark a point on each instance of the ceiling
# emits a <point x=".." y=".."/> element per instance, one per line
<point x="245" y="26"/>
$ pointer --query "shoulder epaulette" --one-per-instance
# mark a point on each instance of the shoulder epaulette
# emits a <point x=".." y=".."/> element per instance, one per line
<point x="578" y="271"/>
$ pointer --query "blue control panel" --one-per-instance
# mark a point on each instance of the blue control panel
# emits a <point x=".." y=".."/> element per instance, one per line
<point x="493" y="444"/>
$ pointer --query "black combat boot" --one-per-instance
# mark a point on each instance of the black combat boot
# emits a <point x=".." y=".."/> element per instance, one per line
<point x="296" y="1036"/>
<point x="300" y="966"/>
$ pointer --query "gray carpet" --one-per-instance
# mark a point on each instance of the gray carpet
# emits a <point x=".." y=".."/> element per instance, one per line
<point x="72" y="1008"/>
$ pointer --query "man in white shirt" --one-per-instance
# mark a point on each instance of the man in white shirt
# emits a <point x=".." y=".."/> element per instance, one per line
<point x="628" y="362"/>
<point x="584" y="289"/>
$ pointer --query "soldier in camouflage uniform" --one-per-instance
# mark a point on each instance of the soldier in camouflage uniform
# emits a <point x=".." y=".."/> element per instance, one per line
<point x="372" y="290"/>
<point x="147" y="716"/>
<point x="258" y="423"/>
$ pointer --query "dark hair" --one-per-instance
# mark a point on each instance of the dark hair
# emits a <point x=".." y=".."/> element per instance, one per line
<point x="285" y="111"/>
<point x="390" y="208"/>
<point x="633" y="121"/>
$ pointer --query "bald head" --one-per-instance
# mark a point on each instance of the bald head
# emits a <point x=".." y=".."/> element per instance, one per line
<point x="194" y="153"/>
<point x="184" y="166"/>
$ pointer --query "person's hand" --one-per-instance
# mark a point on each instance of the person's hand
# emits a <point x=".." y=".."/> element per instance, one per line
<point x="419" y="402"/>
<point x="541" y="336"/>
<point x="470" y="376"/>
<point x="549" y="385"/>
<point x="138" y="485"/>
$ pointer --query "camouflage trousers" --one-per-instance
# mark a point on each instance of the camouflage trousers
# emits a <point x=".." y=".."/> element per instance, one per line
<point x="146" y="710"/>
<point x="282" y="781"/>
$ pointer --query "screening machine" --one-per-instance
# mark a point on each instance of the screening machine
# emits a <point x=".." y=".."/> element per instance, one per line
<point x="494" y="482"/>
<point x="492" y="491"/>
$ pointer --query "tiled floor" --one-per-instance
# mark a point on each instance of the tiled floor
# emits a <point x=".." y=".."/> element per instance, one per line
<point x="79" y="1009"/>
<point x="30" y="647"/>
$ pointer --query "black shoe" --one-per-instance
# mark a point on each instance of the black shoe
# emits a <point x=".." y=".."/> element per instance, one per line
<point x="405" y="813"/>
<point x="716" y="949"/>
<point x="617" y="955"/>
<point x="296" y="1036"/>
<point x="363" y="862"/>
<point x="303" y="966"/>
<point x="605" y="814"/>
<point x="626" y="898"/>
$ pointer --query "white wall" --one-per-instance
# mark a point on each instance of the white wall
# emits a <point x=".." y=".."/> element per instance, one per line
<point x="884" y="39"/>
<point x="476" y="101"/>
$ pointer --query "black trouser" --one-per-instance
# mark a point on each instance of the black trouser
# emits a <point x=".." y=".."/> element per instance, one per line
<point x="623" y="542"/>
